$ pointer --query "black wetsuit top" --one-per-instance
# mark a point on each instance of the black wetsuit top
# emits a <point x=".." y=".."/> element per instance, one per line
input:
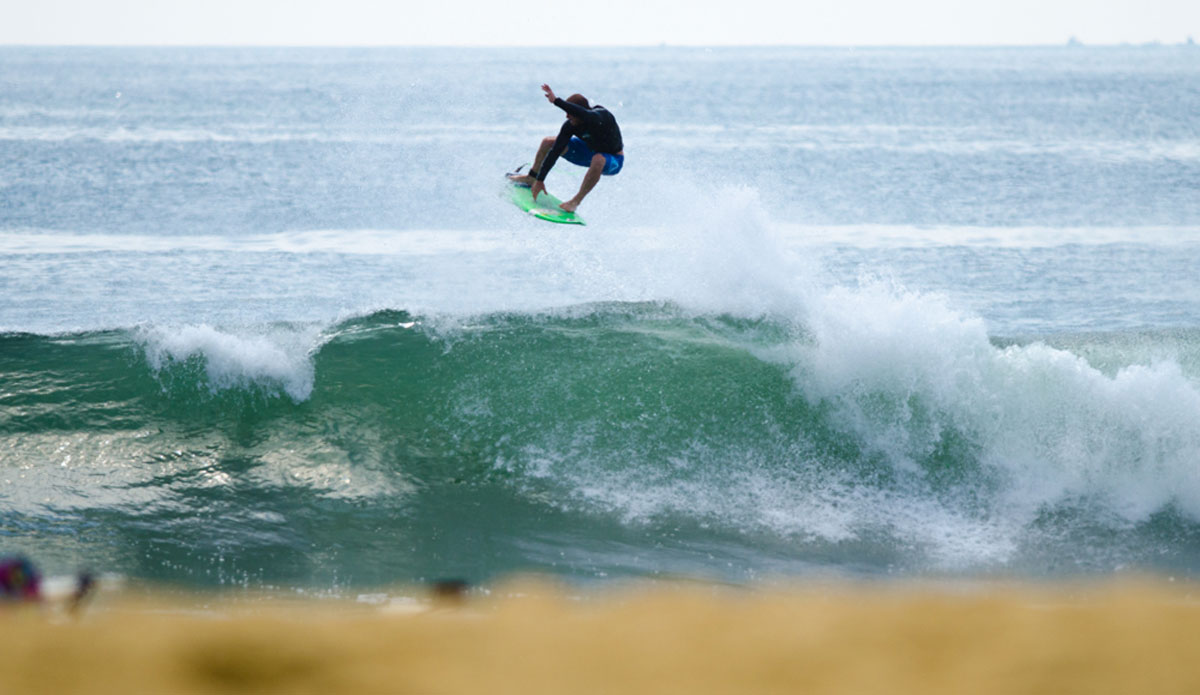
<point x="598" y="130"/>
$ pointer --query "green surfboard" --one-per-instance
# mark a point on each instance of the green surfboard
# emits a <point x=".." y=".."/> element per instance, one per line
<point x="545" y="208"/>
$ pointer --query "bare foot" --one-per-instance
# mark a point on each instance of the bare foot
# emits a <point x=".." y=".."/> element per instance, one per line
<point x="521" y="179"/>
<point x="570" y="205"/>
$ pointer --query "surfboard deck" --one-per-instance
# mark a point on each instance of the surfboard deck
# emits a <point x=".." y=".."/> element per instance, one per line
<point x="544" y="208"/>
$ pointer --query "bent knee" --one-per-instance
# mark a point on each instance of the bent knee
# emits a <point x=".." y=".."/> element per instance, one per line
<point x="599" y="160"/>
<point x="548" y="141"/>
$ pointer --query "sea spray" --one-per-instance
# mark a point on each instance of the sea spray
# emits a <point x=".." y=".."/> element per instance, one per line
<point x="716" y="252"/>
<point x="868" y="424"/>
<point x="924" y="388"/>
<point x="278" y="360"/>
<point x="277" y="326"/>
<point x="927" y="447"/>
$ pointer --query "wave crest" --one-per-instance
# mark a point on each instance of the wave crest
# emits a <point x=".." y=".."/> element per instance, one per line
<point x="278" y="360"/>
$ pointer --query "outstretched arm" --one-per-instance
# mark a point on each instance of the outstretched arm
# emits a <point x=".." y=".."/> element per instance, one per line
<point x="585" y="115"/>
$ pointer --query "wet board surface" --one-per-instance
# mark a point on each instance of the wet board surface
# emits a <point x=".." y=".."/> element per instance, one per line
<point x="544" y="208"/>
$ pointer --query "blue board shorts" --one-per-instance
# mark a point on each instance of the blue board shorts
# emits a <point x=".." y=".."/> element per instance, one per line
<point x="579" y="153"/>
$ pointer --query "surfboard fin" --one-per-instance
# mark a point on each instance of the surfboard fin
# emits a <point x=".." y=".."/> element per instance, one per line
<point x="516" y="173"/>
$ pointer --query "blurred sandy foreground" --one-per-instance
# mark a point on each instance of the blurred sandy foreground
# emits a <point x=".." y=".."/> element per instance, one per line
<point x="1139" y="637"/>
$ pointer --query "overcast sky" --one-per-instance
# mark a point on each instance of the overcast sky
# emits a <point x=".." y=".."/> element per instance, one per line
<point x="598" y="22"/>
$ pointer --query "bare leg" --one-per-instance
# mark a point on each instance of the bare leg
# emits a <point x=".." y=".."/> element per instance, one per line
<point x="590" y="179"/>
<point x="543" y="150"/>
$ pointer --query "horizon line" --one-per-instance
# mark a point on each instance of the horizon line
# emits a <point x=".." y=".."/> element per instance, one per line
<point x="1069" y="43"/>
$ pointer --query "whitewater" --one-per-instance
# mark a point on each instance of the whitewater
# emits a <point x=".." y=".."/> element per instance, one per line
<point x="267" y="319"/>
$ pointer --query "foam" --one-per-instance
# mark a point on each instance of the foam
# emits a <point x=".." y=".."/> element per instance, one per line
<point x="277" y="359"/>
<point x="941" y="140"/>
<point x="905" y="370"/>
<point x="366" y="242"/>
<point x="903" y="373"/>
<point x="251" y="134"/>
<point x="1007" y="237"/>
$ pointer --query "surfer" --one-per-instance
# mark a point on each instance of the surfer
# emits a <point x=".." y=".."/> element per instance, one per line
<point x="589" y="137"/>
<point x="19" y="580"/>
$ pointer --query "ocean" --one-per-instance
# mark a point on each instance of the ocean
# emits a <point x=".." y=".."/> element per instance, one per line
<point x="267" y="320"/>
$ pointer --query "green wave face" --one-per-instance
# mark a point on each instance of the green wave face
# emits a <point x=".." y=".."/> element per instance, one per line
<point x="591" y="442"/>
